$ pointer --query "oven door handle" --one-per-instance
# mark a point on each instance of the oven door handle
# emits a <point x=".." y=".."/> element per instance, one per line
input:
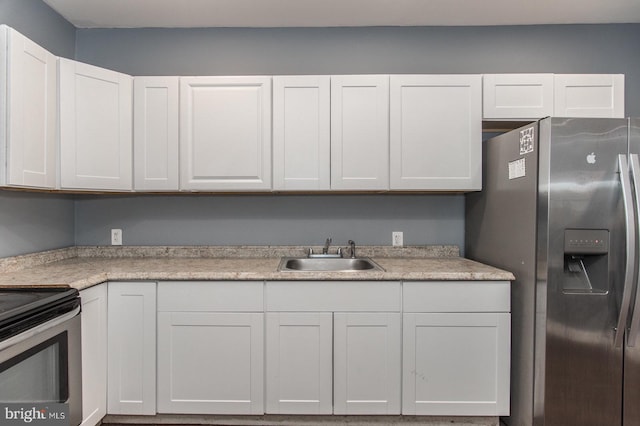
<point x="27" y="334"/>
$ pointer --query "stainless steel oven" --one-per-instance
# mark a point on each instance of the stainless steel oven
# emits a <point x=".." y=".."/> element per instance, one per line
<point x="40" y="359"/>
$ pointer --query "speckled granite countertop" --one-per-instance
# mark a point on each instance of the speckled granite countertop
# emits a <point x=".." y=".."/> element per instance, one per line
<point x="82" y="267"/>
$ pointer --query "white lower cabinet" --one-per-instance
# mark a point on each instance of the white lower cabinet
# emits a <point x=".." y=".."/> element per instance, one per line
<point x="332" y="348"/>
<point x="366" y="362"/>
<point x="94" y="354"/>
<point x="299" y="363"/>
<point x="131" y="381"/>
<point x="456" y="362"/>
<point x="210" y="348"/>
<point x="297" y="347"/>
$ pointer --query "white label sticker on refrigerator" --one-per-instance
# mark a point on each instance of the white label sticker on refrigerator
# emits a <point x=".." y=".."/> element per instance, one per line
<point x="526" y="140"/>
<point x="517" y="169"/>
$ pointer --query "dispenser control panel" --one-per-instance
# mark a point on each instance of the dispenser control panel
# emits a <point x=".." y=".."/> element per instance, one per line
<point x="586" y="241"/>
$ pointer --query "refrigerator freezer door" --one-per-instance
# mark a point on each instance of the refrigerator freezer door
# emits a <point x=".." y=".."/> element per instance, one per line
<point x="631" y="390"/>
<point x="578" y="370"/>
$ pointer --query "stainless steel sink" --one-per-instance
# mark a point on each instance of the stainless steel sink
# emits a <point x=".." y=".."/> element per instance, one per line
<point x="319" y="264"/>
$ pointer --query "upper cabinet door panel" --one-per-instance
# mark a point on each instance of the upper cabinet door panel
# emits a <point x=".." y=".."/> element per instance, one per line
<point x="360" y="132"/>
<point x="589" y="95"/>
<point x="517" y="96"/>
<point x="225" y="133"/>
<point x="30" y="96"/>
<point x="95" y="127"/>
<point x="436" y="132"/>
<point x="155" y="133"/>
<point x="301" y="133"/>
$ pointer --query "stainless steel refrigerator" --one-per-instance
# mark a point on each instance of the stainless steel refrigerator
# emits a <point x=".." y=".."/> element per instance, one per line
<point x="560" y="209"/>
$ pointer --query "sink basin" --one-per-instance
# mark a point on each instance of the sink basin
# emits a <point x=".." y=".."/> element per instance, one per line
<point x="319" y="264"/>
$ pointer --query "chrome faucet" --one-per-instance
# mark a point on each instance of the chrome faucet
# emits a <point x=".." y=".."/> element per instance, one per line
<point x="325" y="250"/>
<point x="352" y="244"/>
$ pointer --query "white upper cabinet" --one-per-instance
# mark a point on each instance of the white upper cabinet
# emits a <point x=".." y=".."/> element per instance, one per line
<point x="225" y="133"/>
<point x="155" y="133"/>
<point x="589" y="95"/>
<point x="28" y="112"/>
<point x="360" y="132"/>
<point x="301" y="133"/>
<point x="436" y="132"/>
<point x="517" y="96"/>
<point x="95" y="127"/>
<point x="535" y="96"/>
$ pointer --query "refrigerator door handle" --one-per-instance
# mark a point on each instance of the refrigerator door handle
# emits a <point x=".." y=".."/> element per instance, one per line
<point x="632" y="337"/>
<point x="630" y="231"/>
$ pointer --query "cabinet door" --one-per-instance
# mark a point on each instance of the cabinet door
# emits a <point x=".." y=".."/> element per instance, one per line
<point x="155" y="133"/>
<point x="225" y="133"/>
<point x="436" y="132"/>
<point x="95" y="127"/>
<point x="517" y="96"/>
<point x="210" y="363"/>
<point x="589" y="95"/>
<point x="360" y="132"/>
<point x="132" y="348"/>
<point x="299" y="363"/>
<point x="94" y="354"/>
<point x="301" y="133"/>
<point x="456" y="364"/>
<point x="367" y="374"/>
<point x="28" y="115"/>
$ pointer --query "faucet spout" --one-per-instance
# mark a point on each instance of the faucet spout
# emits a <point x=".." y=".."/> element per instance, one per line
<point x="327" y="243"/>
<point x="352" y="245"/>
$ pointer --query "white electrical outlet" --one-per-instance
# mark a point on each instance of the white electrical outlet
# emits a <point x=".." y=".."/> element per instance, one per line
<point x="116" y="237"/>
<point x="397" y="239"/>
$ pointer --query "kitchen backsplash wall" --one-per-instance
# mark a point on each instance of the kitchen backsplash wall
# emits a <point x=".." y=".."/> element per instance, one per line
<point x="30" y="221"/>
<point x="270" y="219"/>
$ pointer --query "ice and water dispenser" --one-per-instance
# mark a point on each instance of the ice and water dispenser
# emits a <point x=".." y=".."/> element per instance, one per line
<point x="586" y="261"/>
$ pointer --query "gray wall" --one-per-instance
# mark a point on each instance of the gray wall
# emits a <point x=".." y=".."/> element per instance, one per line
<point x="40" y="23"/>
<point x="425" y="219"/>
<point x="271" y="219"/>
<point x="30" y="221"/>
<point x="33" y="222"/>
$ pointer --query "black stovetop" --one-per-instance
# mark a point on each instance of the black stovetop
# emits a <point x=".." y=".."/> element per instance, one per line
<point x="23" y="308"/>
